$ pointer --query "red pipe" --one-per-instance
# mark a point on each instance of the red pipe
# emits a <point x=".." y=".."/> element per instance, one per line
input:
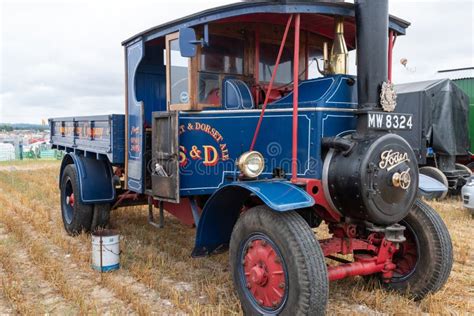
<point x="270" y="85"/>
<point x="296" y="71"/>
<point x="126" y="195"/>
<point x="306" y="53"/>
<point x="355" y="268"/>
<point x="256" y="65"/>
<point x="390" y="55"/>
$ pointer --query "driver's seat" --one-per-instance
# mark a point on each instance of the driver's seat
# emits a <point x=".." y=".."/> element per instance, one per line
<point x="236" y="95"/>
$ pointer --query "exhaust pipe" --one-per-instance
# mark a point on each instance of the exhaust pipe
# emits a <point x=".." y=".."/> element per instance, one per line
<point x="372" y="48"/>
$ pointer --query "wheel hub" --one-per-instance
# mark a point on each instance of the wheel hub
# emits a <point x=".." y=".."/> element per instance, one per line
<point x="264" y="273"/>
<point x="70" y="199"/>
<point x="258" y="275"/>
<point x="406" y="257"/>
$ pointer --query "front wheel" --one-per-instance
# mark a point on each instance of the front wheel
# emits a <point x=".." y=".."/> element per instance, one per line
<point x="425" y="259"/>
<point x="277" y="264"/>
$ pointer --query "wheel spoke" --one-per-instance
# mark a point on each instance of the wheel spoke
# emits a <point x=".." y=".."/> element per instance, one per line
<point x="278" y="292"/>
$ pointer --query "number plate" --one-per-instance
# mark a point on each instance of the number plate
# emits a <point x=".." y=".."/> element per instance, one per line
<point x="391" y="121"/>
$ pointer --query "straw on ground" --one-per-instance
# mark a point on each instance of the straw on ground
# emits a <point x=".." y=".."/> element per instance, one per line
<point x="158" y="276"/>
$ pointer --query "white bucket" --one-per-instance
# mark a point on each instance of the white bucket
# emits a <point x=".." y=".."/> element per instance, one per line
<point x="105" y="250"/>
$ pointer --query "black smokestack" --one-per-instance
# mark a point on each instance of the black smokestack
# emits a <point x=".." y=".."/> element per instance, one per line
<point x="372" y="48"/>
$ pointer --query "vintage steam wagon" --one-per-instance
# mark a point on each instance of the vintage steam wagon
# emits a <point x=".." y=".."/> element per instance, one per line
<point x="232" y="126"/>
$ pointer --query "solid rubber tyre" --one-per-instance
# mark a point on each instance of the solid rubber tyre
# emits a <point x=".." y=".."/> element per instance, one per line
<point x="101" y="216"/>
<point x="436" y="174"/>
<point x="304" y="262"/>
<point x="77" y="217"/>
<point x="434" y="253"/>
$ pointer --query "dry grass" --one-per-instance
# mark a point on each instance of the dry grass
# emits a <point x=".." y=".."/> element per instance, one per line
<point x="158" y="276"/>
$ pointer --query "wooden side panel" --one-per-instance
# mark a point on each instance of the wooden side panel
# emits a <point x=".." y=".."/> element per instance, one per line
<point x="134" y="121"/>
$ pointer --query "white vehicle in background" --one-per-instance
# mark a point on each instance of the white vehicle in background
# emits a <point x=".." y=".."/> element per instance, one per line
<point x="467" y="193"/>
<point x="7" y="152"/>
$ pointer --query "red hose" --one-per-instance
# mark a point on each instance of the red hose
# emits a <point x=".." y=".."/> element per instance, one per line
<point x="296" y="71"/>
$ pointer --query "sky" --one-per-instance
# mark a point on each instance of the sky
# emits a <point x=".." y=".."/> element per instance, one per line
<point x="64" y="58"/>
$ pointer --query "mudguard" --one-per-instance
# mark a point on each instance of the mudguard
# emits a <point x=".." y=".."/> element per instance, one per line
<point x="95" y="178"/>
<point x="427" y="185"/>
<point x="222" y="210"/>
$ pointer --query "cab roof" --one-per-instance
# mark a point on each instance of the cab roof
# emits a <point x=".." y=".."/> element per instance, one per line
<point x="271" y="11"/>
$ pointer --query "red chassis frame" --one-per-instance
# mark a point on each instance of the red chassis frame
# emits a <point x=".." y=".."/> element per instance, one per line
<point x="372" y="254"/>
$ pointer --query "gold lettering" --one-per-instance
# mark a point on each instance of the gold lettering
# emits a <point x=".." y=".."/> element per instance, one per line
<point x="390" y="159"/>
<point x="210" y="155"/>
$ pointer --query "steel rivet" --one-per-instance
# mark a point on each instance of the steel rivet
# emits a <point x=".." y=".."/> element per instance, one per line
<point x="248" y="285"/>
<point x="281" y="285"/>
<point x="264" y="243"/>
<point x="275" y="303"/>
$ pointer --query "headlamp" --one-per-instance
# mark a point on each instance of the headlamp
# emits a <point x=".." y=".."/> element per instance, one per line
<point x="251" y="164"/>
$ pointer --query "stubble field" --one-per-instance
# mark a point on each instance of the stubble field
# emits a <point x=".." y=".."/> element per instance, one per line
<point x="43" y="270"/>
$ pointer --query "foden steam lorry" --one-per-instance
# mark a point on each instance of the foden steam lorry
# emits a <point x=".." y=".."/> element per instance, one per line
<point x="234" y="125"/>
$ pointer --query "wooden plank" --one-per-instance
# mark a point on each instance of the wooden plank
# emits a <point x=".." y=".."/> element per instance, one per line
<point x="169" y="38"/>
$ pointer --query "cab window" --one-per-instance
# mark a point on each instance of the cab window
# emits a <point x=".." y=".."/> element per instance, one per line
<point x="178" y="85"/>
<point x="224" y="57"/>
<point x="268" y="53"/>
<point x="178" y="75"/>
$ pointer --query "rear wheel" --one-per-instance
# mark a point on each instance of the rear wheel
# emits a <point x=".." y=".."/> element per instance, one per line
<point x="277" y="264"/>
<point x="77" y="217"/>
<point x="425" y="260"/>
<point x="436" y="174"/>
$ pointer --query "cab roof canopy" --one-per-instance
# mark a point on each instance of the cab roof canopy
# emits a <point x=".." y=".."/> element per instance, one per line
<point x="316" y="17"/>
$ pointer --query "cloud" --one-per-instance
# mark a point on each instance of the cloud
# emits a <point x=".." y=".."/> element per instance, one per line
<point x="440" y="37"/>
<point x="62" y="58"/>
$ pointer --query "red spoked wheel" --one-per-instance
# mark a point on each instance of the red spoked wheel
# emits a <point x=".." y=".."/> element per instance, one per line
<point x="277" y="264"/>
<point x="265" y="273"/>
